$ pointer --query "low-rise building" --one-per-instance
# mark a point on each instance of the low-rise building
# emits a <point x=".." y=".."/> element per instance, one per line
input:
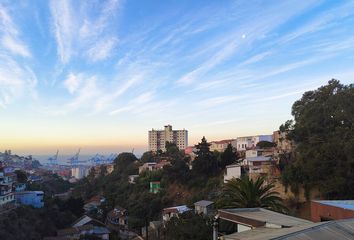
<point x="204" y="207"/>
<point x="232" y="171"/>
<point x="79" y="172"/>
<point x="155" y="187"/>
<point x="249" y="142"/>
<point x="132" y="178"/>
<point x="93" y="203"/>
<point x="32" y="198"/>
<point x="327" y="210"/>
<point x="6" y="194"/>
<point x="248" y="219"/>
<point x="168" y="213"/>
<point x="258" y="164"/>
<point x="84" y="232"/>
<point x="342" y="229"/>
<point x="220" y="146"/>
<point x="153" y="166"/>
<point x="117" y="219"/>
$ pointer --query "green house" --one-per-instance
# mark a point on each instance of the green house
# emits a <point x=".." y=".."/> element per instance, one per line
<point x="155" y="187"/>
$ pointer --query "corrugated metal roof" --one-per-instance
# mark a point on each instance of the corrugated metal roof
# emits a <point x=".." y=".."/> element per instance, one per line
<point x="258" y="159"/>
<point x="342" y="229"/>
<point x="204" y="203"/>
<point x="267" y="216"/>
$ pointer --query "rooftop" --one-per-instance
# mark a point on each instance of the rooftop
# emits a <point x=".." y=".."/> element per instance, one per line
<point x="177" y="209"/>
<point x="342" y="229"/>
<point x="204" y="203"/>
<point x="258" y="217"/>
<point x="345" y="204"/>
<point x="260" y="159"/>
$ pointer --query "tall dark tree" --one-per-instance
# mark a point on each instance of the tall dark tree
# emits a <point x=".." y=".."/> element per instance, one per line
<point x="173" y="152"/>
<point x="21" y="176"/>
<point x="147" y="157"/>
<point x="323" y="132"/>
<point x="205" y="162"/>
<point x="227" y="157"/>
<point x="123" y="161"/>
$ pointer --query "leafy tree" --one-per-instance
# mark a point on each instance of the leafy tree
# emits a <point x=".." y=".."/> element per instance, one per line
<point x="147" y="157"/>
<point x="205" y="162"/>
<point x="246" y="193"/>
<point x="323" y="132"/>
<point x="178" y="171"/>
<point x="189" y="225"/>
<point x="75" y="205"/>
<point x="265" y="144"/>
<point x="124" y="160"/>
<point x="21" y="176"/>
<point x="173" y="152"/>
<point x="229" y="156"/>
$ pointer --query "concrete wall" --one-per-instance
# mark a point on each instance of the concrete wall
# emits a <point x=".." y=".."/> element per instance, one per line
<point x="322" y="212"/>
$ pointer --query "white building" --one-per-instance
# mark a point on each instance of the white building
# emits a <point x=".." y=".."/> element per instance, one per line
<point x="79" y="172"/>
<point x="244" y="143"/>
<point x="158" y="138"/>
<point x="232" y="171"/>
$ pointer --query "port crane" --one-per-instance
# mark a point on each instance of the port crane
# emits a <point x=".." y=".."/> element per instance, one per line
<point x="101" y="159"/>
<point x="74" y="160"/>
<point x="54" y="159"/>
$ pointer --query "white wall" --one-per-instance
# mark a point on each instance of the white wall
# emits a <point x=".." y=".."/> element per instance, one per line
<point x="232" y="172"/>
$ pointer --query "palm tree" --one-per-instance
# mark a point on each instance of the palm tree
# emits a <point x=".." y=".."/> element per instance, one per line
<point x="245" y="193"/>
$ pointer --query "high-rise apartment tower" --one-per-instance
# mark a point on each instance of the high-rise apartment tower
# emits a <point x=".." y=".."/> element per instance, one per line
<point x="158" y="138"/>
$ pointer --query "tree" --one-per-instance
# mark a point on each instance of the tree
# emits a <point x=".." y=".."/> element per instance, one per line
<point x="229" y="156"/>
<point x="189" y="225"/>
<point x="205" y="162"/>
<point x="123" y="161"/>
<point x="265" y="144"/>
<point x="246" y="193"/>
<point x="147" y="157"/>
<point x="21" y="176"/>
<point x="173" y="152"/>
<point x="323" y="132"/>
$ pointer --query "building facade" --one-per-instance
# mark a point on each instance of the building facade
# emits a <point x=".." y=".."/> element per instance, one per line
<point x="32" y="198"/>
<point x="249" y="142"/>
<point x="220" y="146"/>
<point x="328" y="210"/>
<point x="158" y="138"/>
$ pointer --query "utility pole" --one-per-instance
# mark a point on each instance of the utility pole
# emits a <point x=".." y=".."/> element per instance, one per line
<point x="215" y="227"/>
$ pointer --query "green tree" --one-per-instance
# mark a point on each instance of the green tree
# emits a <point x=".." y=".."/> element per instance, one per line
<point x="245" y="193"/>
<point x="21" y="176"/>
<point x="205" y="162"/>
<point x="323" y="132"/>
<point x="189" y="225"/>
<point x="173" y="152"/>
<point x="265" y="144"/>
<point x="147" y="157"/>
<point x="123" y="160"/>
<point x="229" y="156"/>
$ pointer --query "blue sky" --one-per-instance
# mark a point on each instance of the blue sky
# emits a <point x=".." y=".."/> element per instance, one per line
<point x="100" y="74"/>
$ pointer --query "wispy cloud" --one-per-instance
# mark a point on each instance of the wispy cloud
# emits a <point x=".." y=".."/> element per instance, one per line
<point x="73" y="82"/>
<point x="79" y="34"/>
<point x="10" y="35"/>
<point x="14" y="80"/>
<point x="64" y="27"/>
<point x="102" y="49"/>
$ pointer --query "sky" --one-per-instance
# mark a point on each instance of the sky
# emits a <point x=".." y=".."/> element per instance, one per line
<point x="100" y="74"/>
